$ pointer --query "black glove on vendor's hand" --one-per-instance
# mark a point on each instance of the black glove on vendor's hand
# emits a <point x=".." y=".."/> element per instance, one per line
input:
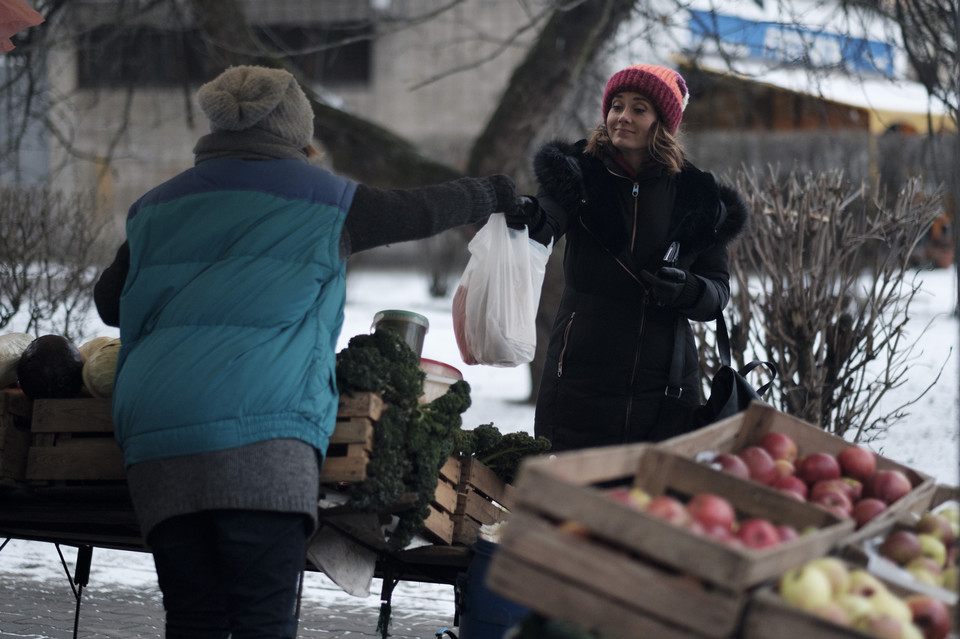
<point x="672" y="287"/>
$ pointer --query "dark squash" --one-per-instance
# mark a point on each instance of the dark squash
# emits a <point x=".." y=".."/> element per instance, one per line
<point x="51" y="367"/>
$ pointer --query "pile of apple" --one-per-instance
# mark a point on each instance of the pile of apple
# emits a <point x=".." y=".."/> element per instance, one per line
<point x="926" y="549"/>
<point x="709" y="515"/>
<point x="855" y="598"/>
<point x="847" y="483"/>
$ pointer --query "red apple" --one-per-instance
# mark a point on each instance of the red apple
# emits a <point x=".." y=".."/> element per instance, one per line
<point x="732" y="464"/>
<point x="784" y="468"/>
<point x="779" y="445"/>
<point x="887" y="485"/>
<point x="668" y="508"/>
<point x="787" y="532"/>
<point x="866" y="509"/>
<point x="834" y="501"/>
<point x="756" y="532"/>
<point x="817" y="467"/>
<point x="711" y="511"/>
<point x="900" y="546"/>
<point x="930" y="615"/>
<point x="761" y="464"/>
<point x="831" y="485"/>
<point x="857" y="462"/>
<point x="855" y="486"/>
<point x="791" y="483"/>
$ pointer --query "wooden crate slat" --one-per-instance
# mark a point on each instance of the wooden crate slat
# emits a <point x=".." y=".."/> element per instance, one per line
<point x="445" y="497"/>
<point x="648" y="589"/>
<point x="529" y="585"/>
<point x="14" y="401"/>
<point x="438" y="526"/>
<point x="88" y="415"/>
<point x="550" y="488"/>
<point x="349" y="468"/>
<point x="93" y="460"/>
<point x="360" y="405"/>
<point x="353" y="431"/>
<point x="451" y="469"/>
<point x="14" y="443"/>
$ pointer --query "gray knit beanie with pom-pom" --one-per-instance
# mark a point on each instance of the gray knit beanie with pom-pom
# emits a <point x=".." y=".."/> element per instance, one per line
<point x="244" y="97"/>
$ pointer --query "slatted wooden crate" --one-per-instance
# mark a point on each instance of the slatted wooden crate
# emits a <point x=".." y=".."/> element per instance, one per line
<point x="628" y="567"/>
<point x="14" y="437"/>
<point x="861" y="549"/>
<point x="482" y="499"/>
<point x="748" y="427"/>
<point x="769" y="616"/>
<point x="72" y="440"/>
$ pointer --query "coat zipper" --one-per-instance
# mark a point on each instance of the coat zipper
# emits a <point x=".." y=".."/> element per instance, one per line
<point x="633" y="373"/>
<point x="566" y="338"/>
<point x="636" y="216"/>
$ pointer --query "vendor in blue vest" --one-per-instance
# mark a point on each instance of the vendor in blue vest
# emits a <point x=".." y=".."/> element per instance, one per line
<point x="229" y="294"/>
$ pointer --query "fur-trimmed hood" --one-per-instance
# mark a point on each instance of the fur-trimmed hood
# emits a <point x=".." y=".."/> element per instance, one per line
<point x="705" y="212"/>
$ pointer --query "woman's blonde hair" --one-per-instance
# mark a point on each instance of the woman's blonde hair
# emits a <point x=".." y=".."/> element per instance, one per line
<point x="663" y="147"/>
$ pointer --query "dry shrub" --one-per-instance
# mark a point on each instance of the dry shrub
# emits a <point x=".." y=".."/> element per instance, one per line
<point x="49" y="259"/>
<point x="822" y="286"/>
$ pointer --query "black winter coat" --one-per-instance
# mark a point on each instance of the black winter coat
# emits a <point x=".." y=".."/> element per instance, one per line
<point x="611" y="345"/>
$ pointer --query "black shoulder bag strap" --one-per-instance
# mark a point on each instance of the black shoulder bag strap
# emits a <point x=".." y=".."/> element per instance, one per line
<point x="675" y="376"/>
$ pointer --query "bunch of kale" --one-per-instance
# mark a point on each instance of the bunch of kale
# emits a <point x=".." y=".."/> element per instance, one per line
<point x="411" y="440"/>
<point x="500" y="453"/>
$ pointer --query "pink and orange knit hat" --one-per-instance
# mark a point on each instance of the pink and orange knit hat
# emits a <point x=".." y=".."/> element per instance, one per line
<point x="664" y="87"/>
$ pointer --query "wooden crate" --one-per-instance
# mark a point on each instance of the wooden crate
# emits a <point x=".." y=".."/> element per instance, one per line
<point x="482" y="499"/>
<point x="72" y="439"/>
<point x="438" y="526"/>
<point x="748" y="427"/>
<point x="602" y="589"/>
<point x="860" y="549"/>
<point x="662" y="558"/>
<point x="352" y="438"/>
<point x="14" y="437"/>
<point x="768" y="616"/>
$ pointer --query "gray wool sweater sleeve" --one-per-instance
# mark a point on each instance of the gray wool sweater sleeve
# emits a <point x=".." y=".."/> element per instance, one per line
<point x="378" y="217"/>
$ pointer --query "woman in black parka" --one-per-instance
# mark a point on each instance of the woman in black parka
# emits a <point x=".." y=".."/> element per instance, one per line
<point x="621" y="199"/>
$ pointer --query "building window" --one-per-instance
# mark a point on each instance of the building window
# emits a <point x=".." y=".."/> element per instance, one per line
<point x="143" y="56"/>
<point x="329" y="54"/>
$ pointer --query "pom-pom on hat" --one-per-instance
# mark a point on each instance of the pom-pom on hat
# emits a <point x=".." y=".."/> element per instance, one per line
<point x="664" y="87"/>
<point x="243" y="97"/>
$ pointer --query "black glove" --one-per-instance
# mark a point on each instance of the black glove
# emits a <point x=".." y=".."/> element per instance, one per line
<point x="672" y="287"/>
<point x="525" y="214"/>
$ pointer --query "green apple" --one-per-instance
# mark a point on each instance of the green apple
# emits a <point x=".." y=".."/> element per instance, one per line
<point x="881" y="626"/>
<point x="952" y="513"/>
<point x="856" y="606"/>
<point x="950" y="581"/>
<point x="932" y="547"/>
<point x="835" y="570"/>
<point x="888" y="604"/>
<point x="832" y="611"/>
<point x="805" y="587"/>
<point x="864" y="583"/>
<point x="925" y="570"/>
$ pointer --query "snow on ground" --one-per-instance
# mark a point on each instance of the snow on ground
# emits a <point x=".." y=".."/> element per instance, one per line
<point x="927" y="440"/>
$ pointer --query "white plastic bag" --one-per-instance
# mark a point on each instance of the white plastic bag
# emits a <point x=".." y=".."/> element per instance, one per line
<point x="495" y="305"/>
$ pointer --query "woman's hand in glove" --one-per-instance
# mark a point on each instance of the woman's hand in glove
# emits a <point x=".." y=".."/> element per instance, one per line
<point x="672" y="287"/>
<point x="529" y="215"/>
<point x="525" y="214"/>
